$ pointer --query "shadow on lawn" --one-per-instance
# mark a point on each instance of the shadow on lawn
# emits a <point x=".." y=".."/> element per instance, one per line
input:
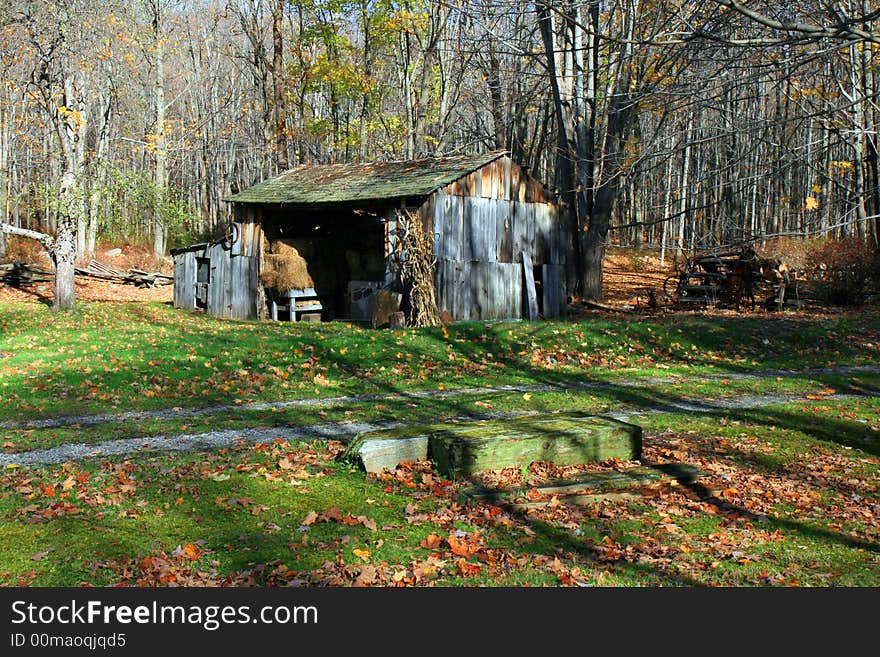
<point x="481" y="339"/>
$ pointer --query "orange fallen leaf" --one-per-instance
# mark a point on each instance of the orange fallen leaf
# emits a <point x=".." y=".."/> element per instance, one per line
<point x="460" y="547"/>
<point x="431" y="542"/>
<point x="465" y="568"/>
<point x="191" y="551"/>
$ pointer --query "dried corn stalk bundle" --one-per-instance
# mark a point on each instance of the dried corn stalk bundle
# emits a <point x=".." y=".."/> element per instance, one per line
<point x="415" y="255"/>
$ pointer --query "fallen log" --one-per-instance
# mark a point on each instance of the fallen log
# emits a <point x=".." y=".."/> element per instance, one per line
<point x="23" y="274"/>
<point x="17" y="274"/>
<point x="136" y="277"/>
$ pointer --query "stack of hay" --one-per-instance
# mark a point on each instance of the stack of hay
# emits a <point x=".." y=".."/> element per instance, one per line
<point x="284" y="268"/>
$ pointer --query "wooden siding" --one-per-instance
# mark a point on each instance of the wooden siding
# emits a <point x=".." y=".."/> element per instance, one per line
<point x="553" y="286"/>
<point x="494" y="230"/>
<point x="479" y="242"/>
<point x="185" y="280"/>
<point x="447" y="228"/>
<point x="500" y="179"/>
<point x="480" y="290"/>
<point x="250" y="234"/>
<point x="231" y="290"/>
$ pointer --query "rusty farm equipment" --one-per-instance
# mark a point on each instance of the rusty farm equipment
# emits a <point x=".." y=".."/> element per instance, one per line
<point x="731" y="280"/>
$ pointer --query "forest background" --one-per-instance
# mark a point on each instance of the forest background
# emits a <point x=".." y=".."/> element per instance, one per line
<point x="679" y="125"/>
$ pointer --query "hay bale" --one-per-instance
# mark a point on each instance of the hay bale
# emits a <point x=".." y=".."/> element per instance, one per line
<point x="297" y="247"/>
<point x="284" y="268"/>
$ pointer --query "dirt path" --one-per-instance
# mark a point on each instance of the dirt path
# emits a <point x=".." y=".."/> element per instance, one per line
<point x="182" y="413"/>
<point x="344" y="431"/>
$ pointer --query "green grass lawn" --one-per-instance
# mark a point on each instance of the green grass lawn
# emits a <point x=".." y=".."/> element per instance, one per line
<point x="108" y="357"/>
<point x="788" y="496"/>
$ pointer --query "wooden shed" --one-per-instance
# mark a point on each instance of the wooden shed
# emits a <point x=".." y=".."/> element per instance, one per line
<point x="499" y="241"/>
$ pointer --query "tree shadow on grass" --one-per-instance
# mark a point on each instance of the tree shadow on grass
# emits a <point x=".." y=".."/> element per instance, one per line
<point x="838" y="431"/>
<point x="777" y="522"/>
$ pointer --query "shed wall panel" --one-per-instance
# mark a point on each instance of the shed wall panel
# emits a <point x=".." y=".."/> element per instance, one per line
<point x="453" y="288"/>
<point x="448" y="229"/>
<point x="219" y="269"/>
<point x="184" y="280"/>
<point x="554" y="290"/>
<point x="504" y="231"/>
<point x="495" y="290"/>
<point x="479" y="235"/>
<point x="500" y="179"/>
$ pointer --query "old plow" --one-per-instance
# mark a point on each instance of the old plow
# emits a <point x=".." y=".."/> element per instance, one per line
<point x="731" y="280"/>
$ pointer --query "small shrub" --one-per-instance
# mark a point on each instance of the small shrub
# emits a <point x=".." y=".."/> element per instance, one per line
<point x="847" y="271"/>
<point x="794" y="251"/>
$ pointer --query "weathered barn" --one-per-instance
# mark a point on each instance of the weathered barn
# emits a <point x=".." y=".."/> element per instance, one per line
<point x="500" y="241"/>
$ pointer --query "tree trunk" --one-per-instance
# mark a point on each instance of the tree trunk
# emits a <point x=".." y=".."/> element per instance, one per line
<point x="278" y="84"/>
<point x="565" y="170"/>
<point x="161" y="155"/>
<point x="63" y="255"/>
<point x="620" y="115"/>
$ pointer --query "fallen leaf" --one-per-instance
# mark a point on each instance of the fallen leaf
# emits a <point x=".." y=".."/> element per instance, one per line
<point x="189" y="551"/>
<point x="366" y="522"/>
<point x="431" y="542"/>
<point x="41" y="555"/>
<point x="466" y="568"/>
<point x="367" y="576"/>
<point x="461" y="547"/>
<point x="310" y="518"/>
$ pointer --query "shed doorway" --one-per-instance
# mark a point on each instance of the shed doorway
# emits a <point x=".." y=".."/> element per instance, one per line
<point x="337" y="255"/>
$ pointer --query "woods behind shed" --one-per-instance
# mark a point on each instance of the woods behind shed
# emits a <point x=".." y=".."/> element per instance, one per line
<point x="500" y="241"/>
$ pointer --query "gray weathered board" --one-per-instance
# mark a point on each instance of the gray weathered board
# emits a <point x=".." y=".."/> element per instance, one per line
<point x="471" y="447"/>
<point x="531" y="295"/>
<point x="185" y="280"/>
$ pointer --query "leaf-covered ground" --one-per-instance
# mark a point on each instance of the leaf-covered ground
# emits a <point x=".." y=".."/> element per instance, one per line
<point x="774" y="506"/>
<point x="788" y="493"/>
<point x="108" y="357"/>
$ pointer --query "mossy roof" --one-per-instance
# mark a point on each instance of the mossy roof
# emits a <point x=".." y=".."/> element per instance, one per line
<point x="347" y="183"/>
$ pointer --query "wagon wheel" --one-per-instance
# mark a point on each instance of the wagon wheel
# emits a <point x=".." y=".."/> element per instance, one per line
<point x="231" y="235"/>
<point x="670" y="287"/>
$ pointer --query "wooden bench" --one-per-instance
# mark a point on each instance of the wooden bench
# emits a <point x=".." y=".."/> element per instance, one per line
<point x="295" y="303"/>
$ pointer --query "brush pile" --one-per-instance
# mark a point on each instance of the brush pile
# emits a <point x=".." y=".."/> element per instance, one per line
<point x="23" y="274"/>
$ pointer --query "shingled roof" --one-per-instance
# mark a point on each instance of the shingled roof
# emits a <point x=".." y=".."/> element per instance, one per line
<point x="345" y="183"/>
